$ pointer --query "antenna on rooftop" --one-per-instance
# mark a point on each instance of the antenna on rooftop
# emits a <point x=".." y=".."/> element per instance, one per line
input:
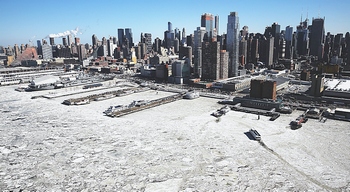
<point x="301" y="16"/>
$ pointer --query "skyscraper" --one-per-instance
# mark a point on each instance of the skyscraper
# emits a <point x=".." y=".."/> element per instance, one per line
<point x="128" y="35"/>
<point x="207" y="21"/>
<point x="69" y="40"/>
<point x="120" y="37"/>
<point x="276" y="33"/>
<point x="47" y="52"/>
<point x="198" y="39"/>
<point x="289" y="39"/>
<point x="148" y="42"/>
<point x="64" y="41"/>
<point x="52" y="41"/>
<point x="77" y="40"/>
<point x="94" y="41"/>
<point x="183" y="40"/>
<point x="232" y="43"/>
<point x="211" y="61"/>
<point x="216" y="26"/>
<point x="317" y="37"/>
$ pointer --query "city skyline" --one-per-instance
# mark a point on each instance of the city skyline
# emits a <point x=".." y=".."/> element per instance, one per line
<point x="27" y="22"/>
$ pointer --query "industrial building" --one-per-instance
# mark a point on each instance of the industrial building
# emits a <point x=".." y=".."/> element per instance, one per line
<point x="263" y="89"/>
<point x="337" y="88"/>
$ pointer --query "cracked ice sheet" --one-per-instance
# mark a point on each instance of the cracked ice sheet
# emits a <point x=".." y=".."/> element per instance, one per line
<point x="67" y="148"/>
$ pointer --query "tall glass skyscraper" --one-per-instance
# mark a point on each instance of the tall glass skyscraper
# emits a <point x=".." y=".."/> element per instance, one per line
<point x="120" y="37"/>
<point x="317" y="36"/>
<point x="207" y="21"/>
<point x="233" y="43"/>
<point x="128" y="35"/>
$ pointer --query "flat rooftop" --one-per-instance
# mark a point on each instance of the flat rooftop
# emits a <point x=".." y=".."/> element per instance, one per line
<point x="337" y="84"/>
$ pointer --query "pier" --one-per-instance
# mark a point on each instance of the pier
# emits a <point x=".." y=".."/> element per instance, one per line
<point x="150" y="104"/>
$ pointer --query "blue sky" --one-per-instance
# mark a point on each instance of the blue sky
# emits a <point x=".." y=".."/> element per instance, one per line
<point x="23" y="20"/>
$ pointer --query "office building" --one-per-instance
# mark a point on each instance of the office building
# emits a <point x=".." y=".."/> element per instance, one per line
<point x="216" y="25"/>
<point x="120" y="37"/>
<point x="81" y="52"/>
<point x="263" y="89"/>
<point x="317" y="37"/>
<point x="289" y="40"/>
<point x="69" y="40"/>
<point x="128" y="36"/>
<point x="52" y="41"/>
<point x="47" y="52"/>
<point x="94" y="41"/>
<point x="40" y="52"/>
<point x="243" y="52"/>
<point x="210" y="61"/>
<point x="198" y="39"/>
<point x="185" y="52"/>
<point x="184" y="38"/>
<point x="77" y="40"/>
<point x="266" y="50"/>
<point x="169" y="36"/>
<point x="64" y="41"/>
<point x="207" y="21"/>
<point x="148" y="42"/>
<point x="232" y="43"/>
<point x="157" y="44"/>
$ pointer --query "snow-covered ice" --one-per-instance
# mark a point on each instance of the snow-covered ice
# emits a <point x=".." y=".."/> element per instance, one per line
<point x="179" y="146"/>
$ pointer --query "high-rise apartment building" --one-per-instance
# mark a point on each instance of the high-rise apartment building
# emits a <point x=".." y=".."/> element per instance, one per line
<point x="289" y="40"/>
<point x="232" y="43"/>
<point x="210" y="61"/>
<point x="148" y="42"/>
<point x="198" y="39"/>
<point x="47" y="52"/>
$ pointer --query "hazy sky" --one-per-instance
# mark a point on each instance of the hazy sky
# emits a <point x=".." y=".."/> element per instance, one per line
<point x="24" y="20"/>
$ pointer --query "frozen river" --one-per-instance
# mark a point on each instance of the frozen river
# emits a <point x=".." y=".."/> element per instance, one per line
<point x="179" y="146"/>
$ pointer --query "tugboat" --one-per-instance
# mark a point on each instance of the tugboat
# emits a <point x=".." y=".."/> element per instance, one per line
<point x="255" y="134"/>
<point x="191" y="95"/>
<point x="113" y="109"/>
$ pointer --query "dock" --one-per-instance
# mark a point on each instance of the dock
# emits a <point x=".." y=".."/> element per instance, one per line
<point x="152" y="103"/>
<point x="103" y="96"/>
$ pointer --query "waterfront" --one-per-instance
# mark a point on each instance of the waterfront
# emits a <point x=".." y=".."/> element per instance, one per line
<point x="177" y="146"/>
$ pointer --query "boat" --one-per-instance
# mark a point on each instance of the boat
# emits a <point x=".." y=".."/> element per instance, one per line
<point x="113" y="109"/>
<point x="82" y="102"/>
<point x="104" y="97"/>
<point x="191" y="95"/>
<point x="124" y="92"/>
<point x="139" y="103"/>
<point x="255" y="134"/>
<point x="216" y="114"/>
<point x="225" y="109"/>
<point x="286" y="109"/>
<point x="46" y="82"/>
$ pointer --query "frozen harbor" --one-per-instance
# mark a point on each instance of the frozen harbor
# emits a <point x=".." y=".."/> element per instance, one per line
<point x="179" y="146"/>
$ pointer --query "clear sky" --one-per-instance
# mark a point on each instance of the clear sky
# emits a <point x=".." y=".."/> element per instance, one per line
<point x="24" y="20"/>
